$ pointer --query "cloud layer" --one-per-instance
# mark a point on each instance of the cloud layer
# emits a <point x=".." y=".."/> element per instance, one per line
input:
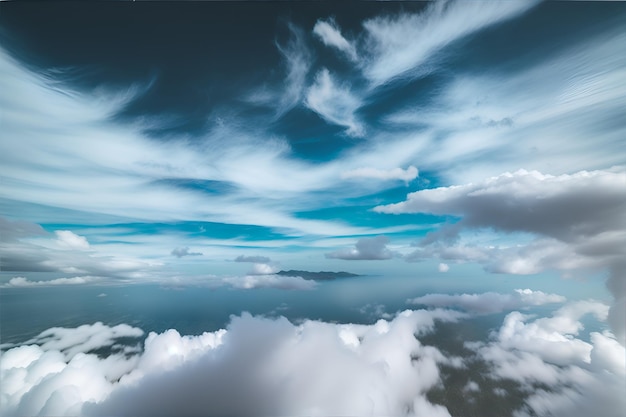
<point x="273" y="366"/>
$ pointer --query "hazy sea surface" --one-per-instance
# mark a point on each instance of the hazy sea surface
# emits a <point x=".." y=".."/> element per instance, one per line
<point x="25" y="312"/>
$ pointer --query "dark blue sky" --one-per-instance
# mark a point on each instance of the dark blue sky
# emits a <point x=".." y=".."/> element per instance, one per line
<point x="299" y="131"/>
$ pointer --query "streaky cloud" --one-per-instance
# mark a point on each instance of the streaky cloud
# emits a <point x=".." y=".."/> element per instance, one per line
<point x="406" y="175"/>
<point x="489" y="302"/>
<point x="330" y="34"/>
<point x="400" y="44"/>
<point x="335" y="104"/>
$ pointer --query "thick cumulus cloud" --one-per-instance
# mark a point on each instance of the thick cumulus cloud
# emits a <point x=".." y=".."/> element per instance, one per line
<point x="367" y="248"/>
<point x="256" y="366"/>
<point x="565" y="207"/>
<point x="565" y="375"/>
<point x="71" y="240"/>
<point x="579" y="219"/>
<point x="489" y="302"/>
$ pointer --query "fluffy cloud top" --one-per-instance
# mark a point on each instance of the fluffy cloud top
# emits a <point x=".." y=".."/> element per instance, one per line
<point x="489" y="302"/>
<point x="70" y="240"/>
<point x="273" y="366"/>
<point x="367" y="248"/>
<point x="316" y="368"/>
<point x="405" y="175"/>
<point x="582" y="378"/>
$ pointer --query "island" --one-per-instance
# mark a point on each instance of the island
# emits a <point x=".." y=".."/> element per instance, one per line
<point x="317" y="276"/>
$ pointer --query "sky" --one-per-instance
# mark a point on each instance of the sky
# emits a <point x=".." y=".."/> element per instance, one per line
<point x="476" y="145"/>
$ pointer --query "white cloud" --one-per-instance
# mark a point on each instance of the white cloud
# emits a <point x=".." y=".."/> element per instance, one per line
<point x="330" y="34"/>
<point x="335" y="104"/>
<point x="582" y="378"/>
<point x="443" y="267"/>
<point x="405" y="175"/>
<point x="367" y="248"/>
<point x="70" y="240"/>
<point x="274" y="367"/>
<point x="263" y="269"/>
<point x="298" y="62"/>
<point x="268" y="280"/>
<point x="489" y="302"/>
<point x="24" y="282"/>
<point x="184" y="251"/>
<point x="400" y="45"/>
<point x="579" y="218"/>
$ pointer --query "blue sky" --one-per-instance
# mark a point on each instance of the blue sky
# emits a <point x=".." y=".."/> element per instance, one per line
<point x="436" y="148"/>
<point x="190" y="135"/>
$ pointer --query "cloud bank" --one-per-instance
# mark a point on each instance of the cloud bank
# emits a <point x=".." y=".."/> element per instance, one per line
<point x="489" y="302"/>
<point x="273" y="366"/>
<point x="578" y="220"/>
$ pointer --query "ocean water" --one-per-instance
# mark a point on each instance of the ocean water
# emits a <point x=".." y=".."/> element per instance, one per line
<point x="192" y="310"/>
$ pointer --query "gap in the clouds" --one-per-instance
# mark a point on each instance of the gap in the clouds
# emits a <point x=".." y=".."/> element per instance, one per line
<point x="190" y="228"/>
<point x="405" y="94"/>
<point x="413" y="225"/>
<point x="311" y="138"/>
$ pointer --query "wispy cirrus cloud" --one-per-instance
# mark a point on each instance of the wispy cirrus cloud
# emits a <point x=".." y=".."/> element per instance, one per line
<point x="401" y="45"/>
<point x="334" y="103"/>
<point x="330" y="34"/>
<point x="405" y="175"/>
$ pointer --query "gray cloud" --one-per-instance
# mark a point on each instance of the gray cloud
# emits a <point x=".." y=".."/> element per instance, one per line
<point x="489" y="302"/>
<point x="581" y="377"/>
<point x="579" y="219"/>
<point x="11" y="231"/>
<point x="367" y="248"/>
<point x="253" y="259"/>
<point x="184" y="251"/>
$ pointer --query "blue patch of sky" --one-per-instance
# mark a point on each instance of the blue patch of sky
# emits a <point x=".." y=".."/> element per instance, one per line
<point x="191" y="229"/>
